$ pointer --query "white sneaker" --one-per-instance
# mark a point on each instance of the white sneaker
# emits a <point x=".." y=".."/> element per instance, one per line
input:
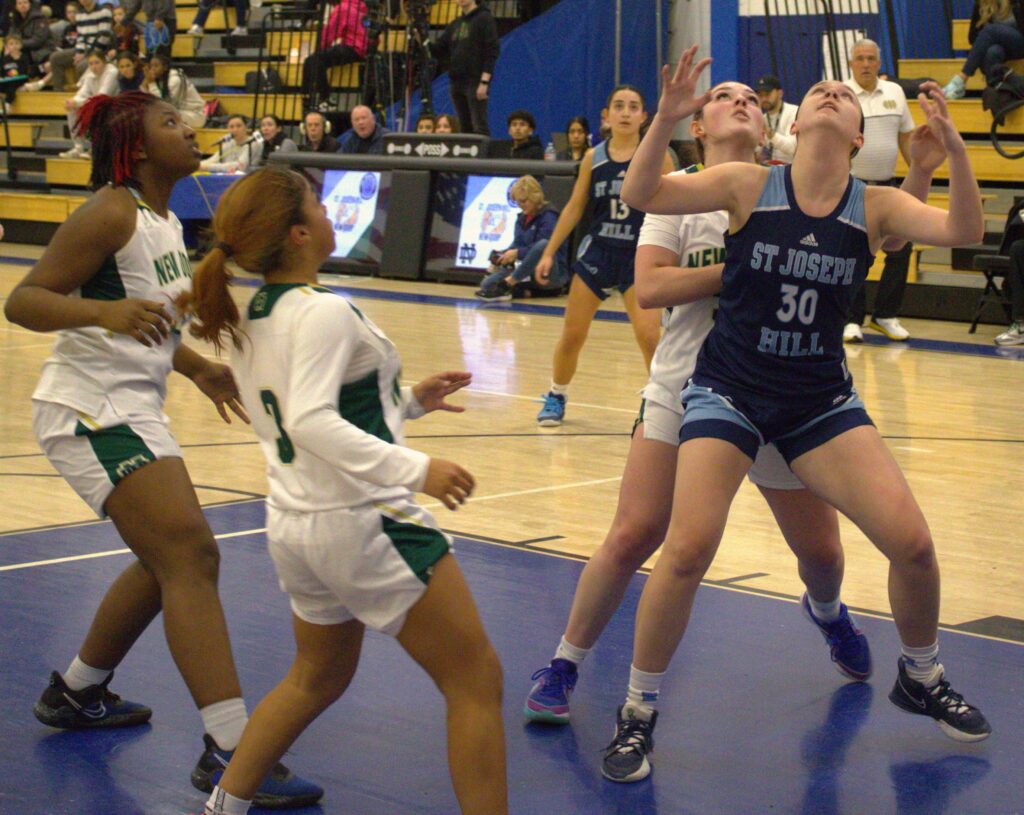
<point x="239" y="31"/>
<point x="852" y="333"/>
<point x="74" y="152"/>
<point x="37" y="85"/>
<point x="1014" y="335"/>
<point x="196" y="31"/>
<point x="890" y="326"/>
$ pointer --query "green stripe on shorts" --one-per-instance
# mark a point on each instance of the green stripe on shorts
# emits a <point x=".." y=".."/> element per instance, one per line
<point x="420" y="546"/>
<point x="119" y="449"/>
<point x="639" y="418"/>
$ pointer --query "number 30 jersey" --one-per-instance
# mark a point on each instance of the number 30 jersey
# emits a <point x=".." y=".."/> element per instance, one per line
<point x="322" y="385"/>
<point x="788" y="282"/>
<point x="612" y="222"/>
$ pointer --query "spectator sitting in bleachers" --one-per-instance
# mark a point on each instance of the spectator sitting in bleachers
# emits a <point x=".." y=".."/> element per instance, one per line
<point x="93" y="24"/>
<point x="366" y="135"/>
<point x="447" y="123"/>
<point x="241" y="12"/>
<point x="511" y="271"/>
<point x="344" y="39"/>
<point x="274" y="139"/>
<point x="15" y="62"/>
<point x="161" y="24"/>
<point x="171" y="85"/>
<point x="577" y="134"/>
<point x="130" y="72"/>
<point x="100" y="77"/>
<point x="522" y="142"/>
<point x="236" y="151"/>
<point x="64" y="34"/>
<point x="1014" y="335"/>
<point x="126" y="35"/>
<point x="996" y="35"/>
<point x="425" y="123"/>
<point x="31" y="25"/>
<point x="316" y="138"/>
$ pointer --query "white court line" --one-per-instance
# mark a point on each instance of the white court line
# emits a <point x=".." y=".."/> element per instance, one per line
<point x="471" y="389"/>
<point x="912" y="449"/>
<point x="532" y="491"/>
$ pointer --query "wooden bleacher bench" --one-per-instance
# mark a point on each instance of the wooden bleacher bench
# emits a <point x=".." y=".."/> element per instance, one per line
<point x="969" y="117"/>
<point x="960" y="29"/>
<point x="942" y="70"/>
<point x="35" y="207"/>
<point x="232" y="74"/>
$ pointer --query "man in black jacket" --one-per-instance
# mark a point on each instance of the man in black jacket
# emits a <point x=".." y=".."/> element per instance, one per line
<point x="471" y="42"/>
<point x="523" y="143"/>
<point x="317" y="139"/>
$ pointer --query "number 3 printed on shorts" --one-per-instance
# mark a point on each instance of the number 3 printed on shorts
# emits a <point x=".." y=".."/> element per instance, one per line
<point x="285" y="449"/>
<point x="803" y="308"/>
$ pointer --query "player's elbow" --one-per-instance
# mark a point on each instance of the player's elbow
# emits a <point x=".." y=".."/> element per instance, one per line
<point x="646" y="292"/>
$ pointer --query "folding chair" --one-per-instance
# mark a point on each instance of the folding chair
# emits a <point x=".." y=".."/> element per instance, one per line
<point x="996" y="267"/>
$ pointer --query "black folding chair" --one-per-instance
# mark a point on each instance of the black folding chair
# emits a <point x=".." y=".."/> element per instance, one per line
<point x="996" y="267"/>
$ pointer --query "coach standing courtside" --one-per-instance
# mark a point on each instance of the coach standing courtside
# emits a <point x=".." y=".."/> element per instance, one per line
<point x="887" y="127"/>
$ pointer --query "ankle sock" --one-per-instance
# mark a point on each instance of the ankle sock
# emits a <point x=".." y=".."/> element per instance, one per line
<point x="922" y="664"/>
<point x="824" y="612"/>
<point x="79" y="675"/>
<point x="566" y="650"/>
<point x="643" y="692"/>
<point x="559" y="390"/>
<point x="225" y="721"/>
<point x="222" y="803"/>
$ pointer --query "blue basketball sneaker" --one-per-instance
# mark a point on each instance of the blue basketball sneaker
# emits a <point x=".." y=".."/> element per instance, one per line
<point x="553" y="412"/>
<point x="848" y="647"/>
<point x="281" y="789"/>
<point x="548" y="701"/>
<point x="94" y="706"/>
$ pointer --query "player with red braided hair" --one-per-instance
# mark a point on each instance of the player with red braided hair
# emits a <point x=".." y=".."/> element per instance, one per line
<point x="107" y="284"/>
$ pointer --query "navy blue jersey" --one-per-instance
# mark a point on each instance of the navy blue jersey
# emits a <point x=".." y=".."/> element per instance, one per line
<point x="787" y="284"/>
<point x="613" y="222"/>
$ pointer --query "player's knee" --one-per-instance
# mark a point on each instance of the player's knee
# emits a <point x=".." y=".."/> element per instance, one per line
<point x="629" y="543"/>
<point x="917" y="550"/>
<point x="688" y="557"/>
<point x="478" y="677"/>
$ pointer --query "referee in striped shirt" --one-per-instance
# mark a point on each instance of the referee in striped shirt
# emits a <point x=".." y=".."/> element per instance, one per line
<point x="887" y="127"/>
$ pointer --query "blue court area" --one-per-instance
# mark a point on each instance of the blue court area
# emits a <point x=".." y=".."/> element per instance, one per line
<point x="754" y="718"/>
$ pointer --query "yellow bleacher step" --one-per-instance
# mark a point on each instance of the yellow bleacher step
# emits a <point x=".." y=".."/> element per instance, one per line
<point x="232" y="74"/>
<point x="215" y="22"/>
<point x="34" y="207"/>
<point x="68" y="172"/>
<point x="183" y="47"/>
<point x="943" y="70"/>
<point x="40" y="103"/>
<point x="969" y="117"/>
<point x="987" y="163"/>
<point x="960" y="29"/>
<point x="208" y="137"/>
<point x="23" y="134"/>
<point x="289" y="108"/>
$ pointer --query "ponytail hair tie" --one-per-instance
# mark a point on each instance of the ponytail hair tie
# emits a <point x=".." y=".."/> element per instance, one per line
<point x="223" y="247"/>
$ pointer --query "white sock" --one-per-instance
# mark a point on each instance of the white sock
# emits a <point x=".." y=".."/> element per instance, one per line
<point x="566" y="650"/>
<point x="79" y="675"/>
<point x="923" y="663"/>
<point x="225" y="721"/>
<point x="559" y="390"/>
<point x="824" y="612"/>
<point x="221" y="803"/>
<point x="642" y="696"/>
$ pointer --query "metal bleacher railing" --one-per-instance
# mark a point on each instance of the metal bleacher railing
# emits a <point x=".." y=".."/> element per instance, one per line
<point x="290" y="35"/>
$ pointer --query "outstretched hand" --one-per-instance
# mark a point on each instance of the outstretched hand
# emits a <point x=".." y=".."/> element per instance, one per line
<point x="927" y="151"/>
<point x="933" y="103"/>
<point x="218" y="383"/>
<point x="678" y="91"/>
<point x="431" y="392"/>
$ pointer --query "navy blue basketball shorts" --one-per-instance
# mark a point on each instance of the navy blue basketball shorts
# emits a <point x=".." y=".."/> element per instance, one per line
<point x="794" y="429"/>
<point x="604" y="268"/>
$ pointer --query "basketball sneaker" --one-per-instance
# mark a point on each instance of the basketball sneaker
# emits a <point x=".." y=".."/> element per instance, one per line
<point x="1014" y="335"/>
<point x="94" y="706"/>
<point x="957" y="719"/>
<point x="553" y="412"/>
<point x="852" y="333"/>
<point x="548" y="701"/>
<point x="847" y="646"/>
<point x="625" y="759"/>
<point x="891" y="327"/>
<point x="281" y="789"/>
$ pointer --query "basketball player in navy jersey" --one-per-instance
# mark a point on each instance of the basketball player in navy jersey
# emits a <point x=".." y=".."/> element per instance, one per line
<point x="801" y="239"/>
<point x="604" y="261"/>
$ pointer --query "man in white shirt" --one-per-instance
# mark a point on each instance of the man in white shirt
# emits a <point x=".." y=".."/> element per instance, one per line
<point x="778" y="118"/>
<point x="887" y="127"/>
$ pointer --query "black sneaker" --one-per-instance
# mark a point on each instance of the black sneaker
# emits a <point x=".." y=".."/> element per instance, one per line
<point x="625" y="759"/>
<point x="500" y="293"/>
<point x="957" y="719"/>
<point x="281" y="789"/>
<point x="94" y="706"/>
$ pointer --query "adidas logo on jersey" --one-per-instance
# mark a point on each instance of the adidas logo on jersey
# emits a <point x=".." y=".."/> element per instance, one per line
<point x="808" y="240"/>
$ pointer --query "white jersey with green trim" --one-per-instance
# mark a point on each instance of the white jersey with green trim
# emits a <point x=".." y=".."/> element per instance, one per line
<point x="92" y="366"/>
<point x="322" y="385"/>
<point x="698" y="240"/>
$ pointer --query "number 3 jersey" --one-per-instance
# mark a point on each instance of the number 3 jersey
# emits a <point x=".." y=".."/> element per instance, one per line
<point x="322" y="385"/>
<point x="788" y="282"/>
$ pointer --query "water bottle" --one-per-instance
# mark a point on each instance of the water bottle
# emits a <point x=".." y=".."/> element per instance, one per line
<point x="549" y="152"/>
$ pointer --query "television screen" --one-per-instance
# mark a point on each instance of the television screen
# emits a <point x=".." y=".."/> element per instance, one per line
<point x="472" y="216"/>
<point x="356" y="205"/>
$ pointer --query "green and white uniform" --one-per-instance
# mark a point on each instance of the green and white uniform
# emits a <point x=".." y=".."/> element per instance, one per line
<point x="322" y="384"/>
<point x="97" y="411"/>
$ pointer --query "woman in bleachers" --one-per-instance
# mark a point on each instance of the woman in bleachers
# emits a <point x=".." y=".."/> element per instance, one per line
<point x="577" y="133"/>
<point x="996" y="35"/>
<point x="274" y="139"/>
<point x="30" y="24"/>
<point x="236" y="151"/>
<point x="447" y="123"/>
<point x="100" y="77"/>
<point x="129" y="71"/>
<point x="171" y="85"/>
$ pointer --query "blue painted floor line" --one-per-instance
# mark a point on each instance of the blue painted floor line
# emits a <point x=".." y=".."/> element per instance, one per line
<point x="753" y="717"/>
